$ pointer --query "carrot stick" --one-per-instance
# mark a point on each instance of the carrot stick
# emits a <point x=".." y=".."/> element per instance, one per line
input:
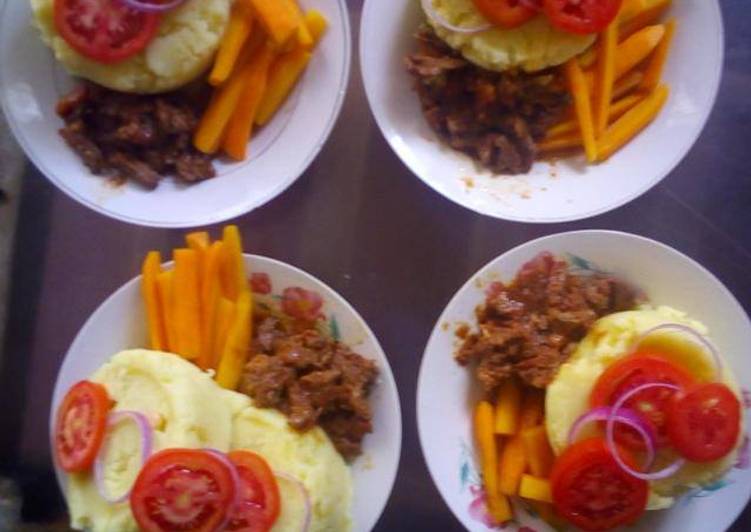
<point x="152" y="267"/>
<point x="210" y="294"/>
<point x="187" y="303"/>
<point x="208" y="135"/>
<point x="627" y="83"/>
<point x="580" y="92"/>
<point x="498" y="505"/>
<point x="653" y="73"/>
<point x="605" y="75"/>
<point x="588" y="57"/>
<point x="535" y="488"/>
<point x="287" y="69"/>
<point x="234" y="278"/>
<point x="630" y="8"/>
<point x="165" y="281"/>
<point x="512" y="464"/>
<point x="631" y="123"/>
<point x="223" y="316"/>
<point x="650" y="12"/>
<point x="565" y="135"/>
<point x="540" y="456"/>
<point x="240" y="126"/>
<point x="280" y="18"/>
<point x="238" y="30"/>
<point x="507" y="408"/>
<point x="237" y="347"/>
<point x="636" y="48"/>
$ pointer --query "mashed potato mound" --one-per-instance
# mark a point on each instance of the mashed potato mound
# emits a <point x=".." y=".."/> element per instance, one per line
<point x="532" y="46"/>
<point x="610" y="338"/>
<point x="184" y="46"/>
<point x="188" y="409"/>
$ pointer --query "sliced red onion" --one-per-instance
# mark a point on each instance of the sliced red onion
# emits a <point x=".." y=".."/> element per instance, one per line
<point x="303" y="491"/>
<point x="427" y="6"/>
<point x="153" y="7"/>
<point x="624" y="415"/>
<point x="236" y="482"/>
<point x="694" y="334"/>
<point x="609" y="436"/>
<point x="147" y="445"/>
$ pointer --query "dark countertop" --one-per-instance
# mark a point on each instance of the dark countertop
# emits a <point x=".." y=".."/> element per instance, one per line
<point x="362" y="223"/>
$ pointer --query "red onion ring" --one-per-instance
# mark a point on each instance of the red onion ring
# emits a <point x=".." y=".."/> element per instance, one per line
<point x="427" y="6"/>
<point x="150" y="7"/>
<point x="236" y="482"/>
<point x="610" y="424"/>
<point x="694" y="334"/>
<point x="624" y="415"/>
<point x="301" y="487"/>
<point x="147" y="445"/>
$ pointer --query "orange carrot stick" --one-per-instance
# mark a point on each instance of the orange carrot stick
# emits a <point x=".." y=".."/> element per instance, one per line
<point x="165" y="281"/>
<point x="484" y="429"/>
<point x="234" y="278"/>
<point x="152" y="267"/>
<point x="240" y="126"/>
<point x="223" y="316"/>
<point x="580" y="92"/>
<point x="512" y="464"/>
<point x="653" y="73"/>
<point x="605" y="76"/>
<point x="631" y="123"/>
<point x="238" y="31"/>
<point x="237" y="347"/>
<point x="187" y="303"/>
<point x="210" y="294"/>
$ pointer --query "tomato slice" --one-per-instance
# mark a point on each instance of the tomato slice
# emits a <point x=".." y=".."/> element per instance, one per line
<point x="581" y="16"/>
<point x="259" y="504"/>
<point x="505" y="13"/>
<point x="704" y="422"/>
<point x="632" y="371"/>
<point x="182" y="490"/>
<point x="107" y="31"/>
<point x="592" y="491"/>
<point x="80" y="424"/>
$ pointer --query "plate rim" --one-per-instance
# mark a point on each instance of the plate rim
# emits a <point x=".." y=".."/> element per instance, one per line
<point x="436" y="331"/>
<point x="401" y="150"/>
<point x="221" y="215"/>
<point x="386" y="373"/>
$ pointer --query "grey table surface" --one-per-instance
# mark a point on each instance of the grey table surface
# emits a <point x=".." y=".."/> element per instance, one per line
<point x="358" y="220"/>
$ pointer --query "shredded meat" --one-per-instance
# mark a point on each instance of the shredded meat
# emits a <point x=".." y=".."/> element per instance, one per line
<point x="494" y="117"/>
<point x="312" y="379"/>
<point x="135" y="137"/>
<point x="531" y="326"/>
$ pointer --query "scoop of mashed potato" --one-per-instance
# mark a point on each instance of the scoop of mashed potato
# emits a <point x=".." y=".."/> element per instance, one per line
<point x="610" y="338"/>
<point x="183" y="48"/>
<point x="532" y="46"/>
<point x="188" y="409"/>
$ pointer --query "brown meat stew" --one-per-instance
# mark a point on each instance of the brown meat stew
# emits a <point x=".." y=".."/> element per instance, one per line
<point x="494" y="117"/>
<point x="531" y="326"/>
<point x="311" y="378"/>
<point x="135" y="137"/>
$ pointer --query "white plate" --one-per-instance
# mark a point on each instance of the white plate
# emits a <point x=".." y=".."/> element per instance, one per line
<point x="446" y="392"/>
<point x="119" y="324"/>
<point x="567" y="189"/>
<point x="31" y="82"/>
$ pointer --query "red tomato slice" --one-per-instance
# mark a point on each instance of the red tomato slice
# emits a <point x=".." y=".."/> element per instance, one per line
<point x="505" y="13"/>
<point x="182" y="490"/>
<point x="704" y="422"/>
<point x="581" y="16"/>
<point x="259" y="501"/>
<point x="79" y="428"/>
<point x="630" y="372"/>
<point x="107" y="31"/>
<point x="592" y="491"/>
